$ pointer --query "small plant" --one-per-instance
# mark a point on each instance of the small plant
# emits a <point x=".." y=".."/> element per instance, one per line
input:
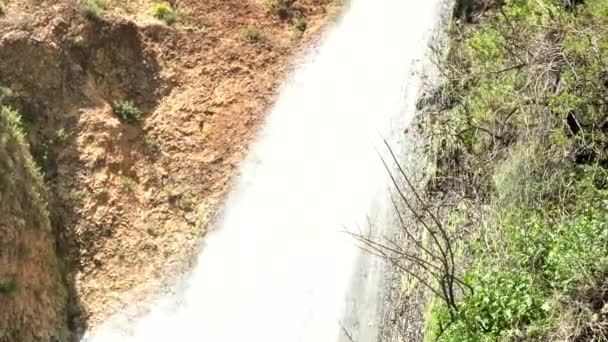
<point x="78" y="195"/>
<point x="60" y="135"/>
<point x="2" y="7"/>
<point x="83" y="231"/>
<point x="154" y="230"/>
<point x="187" y="202"/>
<point x="40" y="153"/>
<point x="127" y="111"/>
<point x="163" y="10"/>
<point x="92" y="9"/>
<point x="5" y="92"/>
<point x="252" y="33"/>
<point x="8" y="287"/>
<point x="299" y="27"/>
<point x="282" y="8"/>
<point x="129" y="183"/>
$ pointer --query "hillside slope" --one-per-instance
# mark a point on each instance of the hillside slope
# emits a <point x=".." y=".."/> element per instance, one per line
<point x="138" y="113"/>
<point x="509" y="233"/>
<point x="33" y="296"/>
<point x="520" y="139"/>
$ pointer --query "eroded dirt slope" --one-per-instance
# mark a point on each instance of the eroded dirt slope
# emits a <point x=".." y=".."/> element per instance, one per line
<point x="131" y="202"/>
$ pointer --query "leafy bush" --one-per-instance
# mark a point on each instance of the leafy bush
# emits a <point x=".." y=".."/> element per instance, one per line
<point x="504" y="301"/>
<point x="163" y="10"/>
<point x="127" y="111"/>
<point x="535" y="146"/>
<point x="92" y="9"/>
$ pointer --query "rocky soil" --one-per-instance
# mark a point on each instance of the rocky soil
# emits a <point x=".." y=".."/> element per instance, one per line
<point x="130" y="202"/>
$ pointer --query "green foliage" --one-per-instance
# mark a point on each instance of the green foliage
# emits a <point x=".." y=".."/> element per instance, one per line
<point x="14" y="123"/>
<point x="60" y="135"/>
<point x="163" y="10"/>
<point x="92" y="9"/>
<point x="78" y="195"/>
<point x="40" y="153"/>
<point x="13" y="155"/>
<point x="537" y="254"/>
<point x="504" y="300"/>
<point x="127" y="111"/>
<point x="5" y="93"/>
<point x="8" y="287"/>
<point x="486" y="46"/>
<point x="252" y="33"/>
<point x="542" y="249"/>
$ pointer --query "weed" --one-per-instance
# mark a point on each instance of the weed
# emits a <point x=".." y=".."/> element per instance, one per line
<point x="152" y="145"/>
<point x="252" y="33"/>
<point x="186" y="202"/>
<point x="127" y="111"/>
<point x="8" y="287"/>
<point x="154" y="230"/>
<point x="78" y="195"/>
<point x="60" y="135"/>
<point x="298" y="27"/>
<point x="5" y="93"/>
<point x="83" y="231"/>
<point x="163" y="10"/>
<point x="129" y="183"/>
<point x="40" y="153"/>
<point x="92" y="9"/>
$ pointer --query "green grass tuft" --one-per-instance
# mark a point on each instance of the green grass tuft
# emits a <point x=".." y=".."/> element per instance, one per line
<point x="8" y="287"/>
<point x="163" y="10"/>
<point x="252" y="33"/>
<point x="92" y="9"/>
<point x="126" y="111"/>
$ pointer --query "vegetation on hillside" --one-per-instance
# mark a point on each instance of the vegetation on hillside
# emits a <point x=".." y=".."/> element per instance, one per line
<point x="92" y="9"/>
<point x="520" y="138"/>
<point x="163" y="10"/>
<point x="13" y="146"/>
<point x="32" y="289"/>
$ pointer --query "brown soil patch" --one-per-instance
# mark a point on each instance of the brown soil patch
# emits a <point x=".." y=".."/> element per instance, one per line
<point x="131" y="202"/>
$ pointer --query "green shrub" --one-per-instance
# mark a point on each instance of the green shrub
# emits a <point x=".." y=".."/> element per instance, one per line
<point x="504" y="300"/>
<point x="8" y="287"/>
<point x="92" y="9"/>
<point x="536" y="258"/>
<point x="252" y="33"/>
<point x="162" y="10"/>
<point x="127" y="111"/>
